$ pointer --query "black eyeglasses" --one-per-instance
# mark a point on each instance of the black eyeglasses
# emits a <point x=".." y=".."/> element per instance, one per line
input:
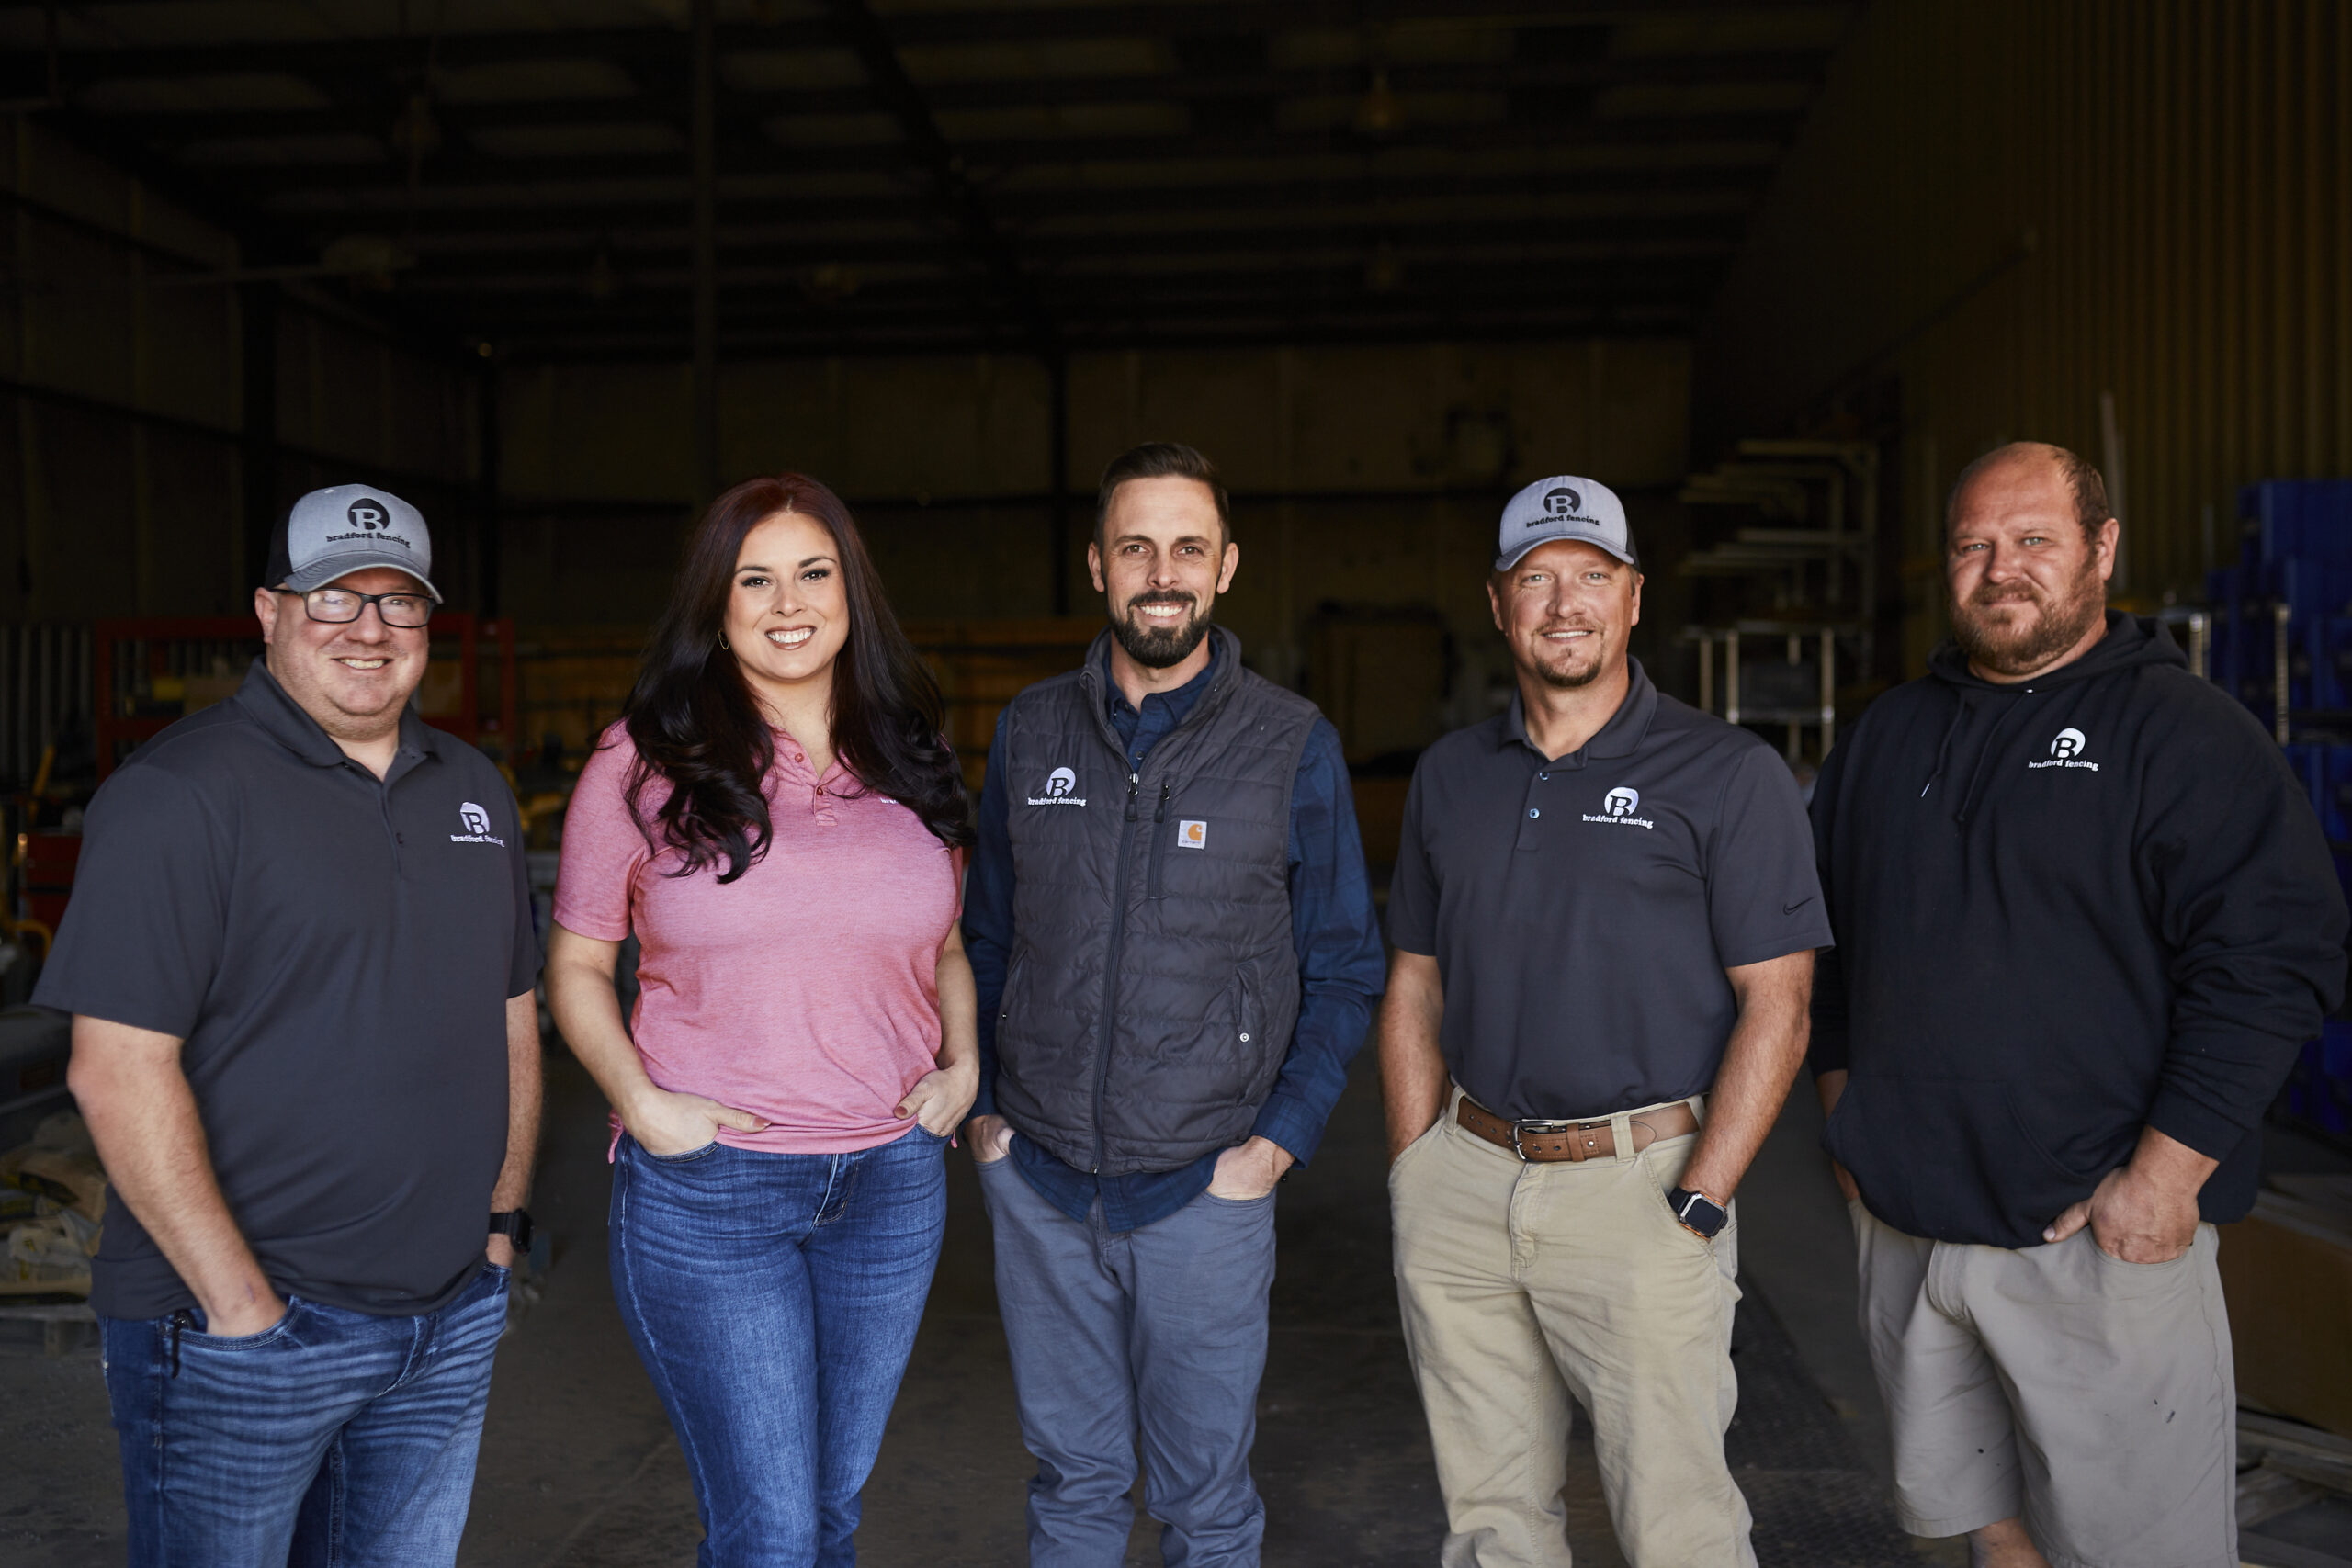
<point x="341" y="606"/>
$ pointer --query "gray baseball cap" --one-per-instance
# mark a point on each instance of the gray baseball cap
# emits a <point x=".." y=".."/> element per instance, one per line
<point x="347" y="528"/>
<point x="1564" y="507"/>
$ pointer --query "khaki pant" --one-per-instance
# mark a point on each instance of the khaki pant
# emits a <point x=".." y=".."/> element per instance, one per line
<point x="1524" y="1284"/>
<point x="2091" y="1397"/>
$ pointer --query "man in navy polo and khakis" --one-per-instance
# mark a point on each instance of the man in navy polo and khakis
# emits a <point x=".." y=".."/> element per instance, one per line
<point x="1604" y="916"/>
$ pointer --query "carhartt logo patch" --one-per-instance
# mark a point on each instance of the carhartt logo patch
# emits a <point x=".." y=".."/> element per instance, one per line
<point x="1192" y="833"/>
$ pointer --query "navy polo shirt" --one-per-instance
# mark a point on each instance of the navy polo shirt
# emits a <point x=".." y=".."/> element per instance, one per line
<point x="1582" y="909"/>
<point x="335" y="952"/>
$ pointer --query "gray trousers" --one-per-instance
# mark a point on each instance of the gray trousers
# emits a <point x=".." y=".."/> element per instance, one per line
<point x="1161" y="1329"/>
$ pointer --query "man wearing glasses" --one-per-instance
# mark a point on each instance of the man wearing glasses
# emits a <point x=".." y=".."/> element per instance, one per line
<point x="301" y="962"/>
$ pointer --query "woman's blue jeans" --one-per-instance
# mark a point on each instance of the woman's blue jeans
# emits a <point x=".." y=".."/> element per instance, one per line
<point x="775" y="1298"/>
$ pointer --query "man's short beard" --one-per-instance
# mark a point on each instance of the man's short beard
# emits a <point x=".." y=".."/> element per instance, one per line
<point x="1158" y="648"/>
<point x="1564" y="681"/>
<point x="2060" y="626"/>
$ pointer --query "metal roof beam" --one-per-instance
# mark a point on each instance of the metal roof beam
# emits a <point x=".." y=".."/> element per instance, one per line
<point x="854" y="24"/>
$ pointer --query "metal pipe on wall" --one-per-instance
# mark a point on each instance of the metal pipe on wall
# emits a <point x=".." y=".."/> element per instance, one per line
<point x="706" y="250"/>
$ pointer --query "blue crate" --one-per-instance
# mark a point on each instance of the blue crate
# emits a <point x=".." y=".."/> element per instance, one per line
<point x="2327" y="644"/>
<point x="2325" y="771"/>
<point x="2319" y="1088"/>
<point x="2309" y="587"/>
<point x="2302" y="519"/>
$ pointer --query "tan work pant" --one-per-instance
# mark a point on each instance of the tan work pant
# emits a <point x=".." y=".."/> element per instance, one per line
<point x="1522" y="1284"/>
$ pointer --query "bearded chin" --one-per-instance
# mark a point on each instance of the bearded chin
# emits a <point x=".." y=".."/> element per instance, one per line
<point x="2027" y="647"/>
<point x="1157" y="647"/>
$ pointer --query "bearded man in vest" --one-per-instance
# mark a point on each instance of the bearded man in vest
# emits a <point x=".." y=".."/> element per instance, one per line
<point x="1177" y="956"/>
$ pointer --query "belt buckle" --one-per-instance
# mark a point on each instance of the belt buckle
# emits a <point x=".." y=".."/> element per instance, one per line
<point x="1536" y="1124"/>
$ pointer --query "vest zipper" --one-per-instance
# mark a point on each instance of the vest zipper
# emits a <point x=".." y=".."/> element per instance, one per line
<point x="1111" y="971"/>
<point x="1159" y="845"/>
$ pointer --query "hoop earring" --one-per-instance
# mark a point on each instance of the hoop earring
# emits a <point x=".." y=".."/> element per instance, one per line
<point x="722" y="643"/>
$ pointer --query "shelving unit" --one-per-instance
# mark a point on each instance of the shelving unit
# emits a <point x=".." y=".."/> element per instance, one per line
<point x="1815" y="557"/>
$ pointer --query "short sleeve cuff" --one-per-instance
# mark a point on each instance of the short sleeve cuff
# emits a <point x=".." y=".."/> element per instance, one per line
<point x="2198" y="1126"/>
<point x="1812" y="938"/>
<point x="579" y="922"/>
<point x="1287" y="1122"/>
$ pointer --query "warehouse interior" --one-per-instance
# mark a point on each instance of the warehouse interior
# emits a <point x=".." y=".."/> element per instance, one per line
<point x="557" y="272"/>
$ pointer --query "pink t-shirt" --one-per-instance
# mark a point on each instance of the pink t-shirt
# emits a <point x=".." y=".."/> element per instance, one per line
<point x="804" y="991"/>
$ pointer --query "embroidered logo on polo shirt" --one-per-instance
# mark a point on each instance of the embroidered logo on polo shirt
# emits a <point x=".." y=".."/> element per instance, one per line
<point x="1058" y="784"/>
<point x="2067" y="752"/>
<point x="477" y="826"/>
<point x="1617" y="808"/>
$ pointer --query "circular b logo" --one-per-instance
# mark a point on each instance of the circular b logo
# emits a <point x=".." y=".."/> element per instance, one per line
<point x="370" y="514"/>
<point x="1620" y="801"/>
<point x="1060" y="782"/>
<point x="476" y="819"/>
<point x="2069" y="743"/>
<point x="1563" y="501"/>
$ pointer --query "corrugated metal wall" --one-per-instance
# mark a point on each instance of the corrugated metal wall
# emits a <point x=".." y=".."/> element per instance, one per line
<point x="2017" y="207"/>
<point x="121" y="398"/>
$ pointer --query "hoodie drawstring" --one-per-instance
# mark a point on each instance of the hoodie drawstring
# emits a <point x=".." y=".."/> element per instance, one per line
<point x="1960" y="710"/>
<point x="1977" y="773"/>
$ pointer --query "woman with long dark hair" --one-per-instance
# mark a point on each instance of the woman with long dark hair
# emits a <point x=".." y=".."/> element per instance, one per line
<point x="779" y="822"/>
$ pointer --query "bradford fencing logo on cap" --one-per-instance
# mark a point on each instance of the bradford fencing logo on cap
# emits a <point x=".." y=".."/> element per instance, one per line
<point x="369" y="515"/>
<point x="1562" y="507"/>
<point x="1058" y="784"/>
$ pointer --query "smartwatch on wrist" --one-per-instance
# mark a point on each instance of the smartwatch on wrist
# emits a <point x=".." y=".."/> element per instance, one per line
<point x="1697" y="1212"/>
<point x="515" y="1225"/>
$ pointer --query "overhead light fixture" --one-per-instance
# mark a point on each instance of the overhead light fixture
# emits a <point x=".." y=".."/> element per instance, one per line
<point x="1379" y="112"/>
<point x="830" y="282"/>
<point x="368" y="260"/>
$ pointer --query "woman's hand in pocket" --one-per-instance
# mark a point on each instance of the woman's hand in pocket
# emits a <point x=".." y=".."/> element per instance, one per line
<point x="669" y="1124"/>
<point x="943" y="1098"/>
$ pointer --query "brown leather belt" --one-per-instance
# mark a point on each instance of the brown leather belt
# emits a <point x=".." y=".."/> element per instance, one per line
<point x="1543" y="1142"/>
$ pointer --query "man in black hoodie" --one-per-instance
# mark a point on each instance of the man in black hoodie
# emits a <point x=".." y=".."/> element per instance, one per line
<point x="2085" y="919"/>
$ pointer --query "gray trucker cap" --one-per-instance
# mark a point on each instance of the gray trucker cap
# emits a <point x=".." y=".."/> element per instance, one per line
<point x="1564" y="507"/>
<point x="347" y="528"/>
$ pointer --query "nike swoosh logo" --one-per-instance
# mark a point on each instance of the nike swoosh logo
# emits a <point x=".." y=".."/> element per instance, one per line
<point x="1792" y="908"/>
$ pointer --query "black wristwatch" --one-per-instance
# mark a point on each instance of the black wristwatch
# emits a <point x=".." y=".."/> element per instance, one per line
<point x="515" y="1225"/>
<point x="1697" y="1212"/>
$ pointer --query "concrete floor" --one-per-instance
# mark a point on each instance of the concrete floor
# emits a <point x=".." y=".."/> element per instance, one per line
<point x="579" y="1469"/>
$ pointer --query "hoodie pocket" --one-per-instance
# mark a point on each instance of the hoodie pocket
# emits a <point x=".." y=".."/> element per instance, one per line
<point x="1950" y="1159"/>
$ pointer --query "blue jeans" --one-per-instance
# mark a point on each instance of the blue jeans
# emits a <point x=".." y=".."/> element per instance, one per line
<point x="1163" y="1329"/>
<point x="775" y="1298"/>
<point x="334" y="1438"/>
